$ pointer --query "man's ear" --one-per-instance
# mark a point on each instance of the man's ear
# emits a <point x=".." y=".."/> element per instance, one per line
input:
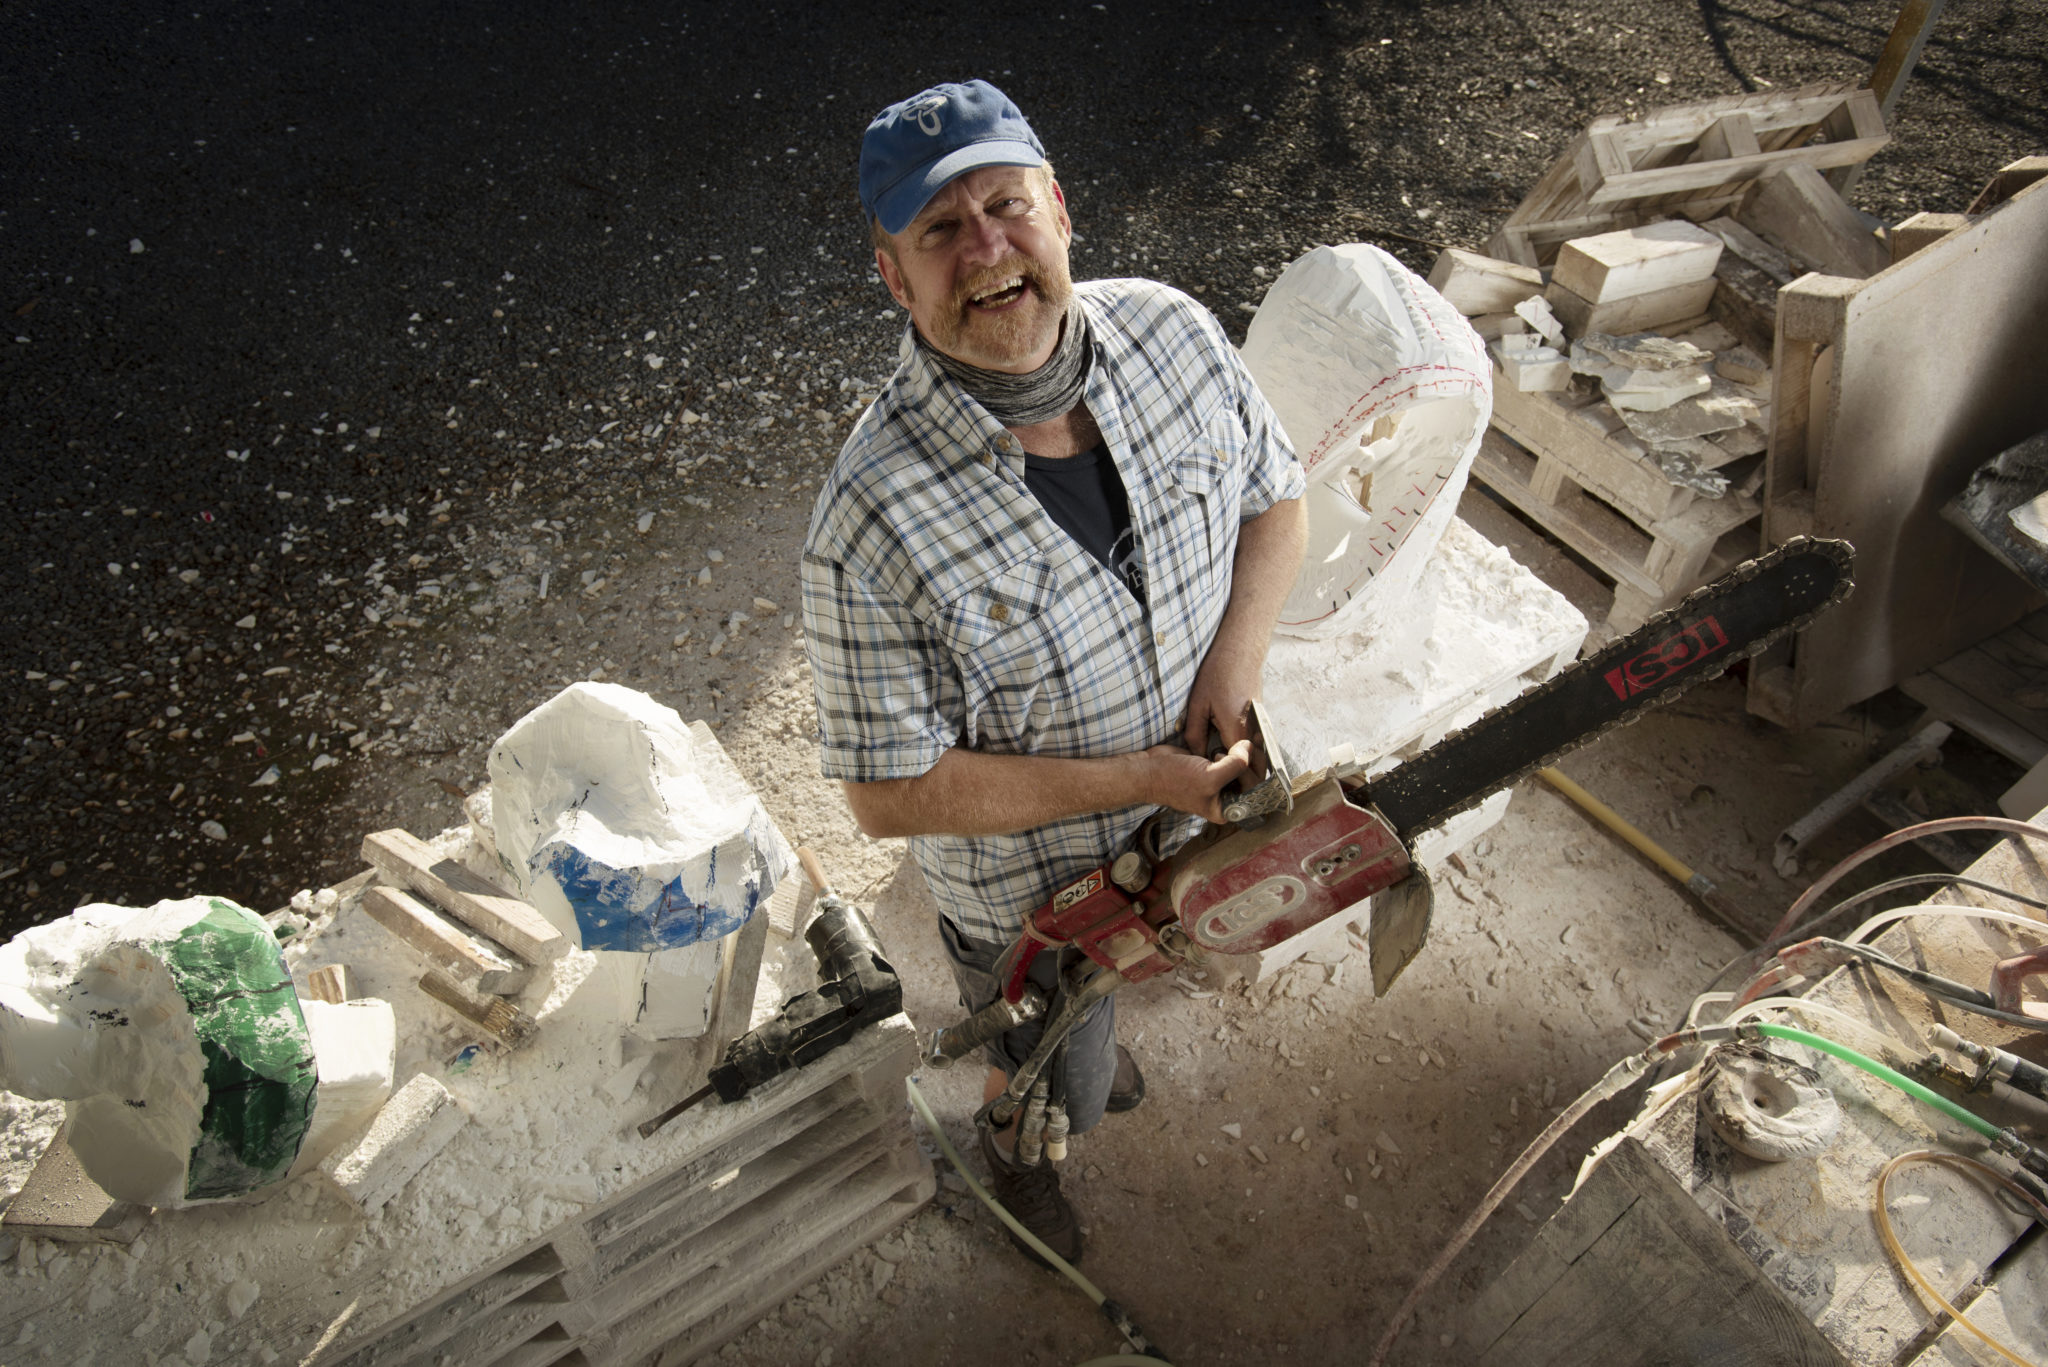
<point x="892" y="276"/>
<point x="1060" y="198"/>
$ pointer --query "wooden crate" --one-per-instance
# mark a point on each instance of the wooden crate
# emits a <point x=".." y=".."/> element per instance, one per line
<point x="1697" y="160"/>
<point x="820" y="1163"/>
<point x="1674" y="1248"/>
<point x="1598" y="507"/>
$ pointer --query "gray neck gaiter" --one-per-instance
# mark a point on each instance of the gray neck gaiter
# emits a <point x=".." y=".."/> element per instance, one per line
<point x="1022" y="400"/>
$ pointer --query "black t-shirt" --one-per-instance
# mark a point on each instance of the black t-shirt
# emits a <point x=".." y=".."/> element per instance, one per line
<point x="1085" y="497"/>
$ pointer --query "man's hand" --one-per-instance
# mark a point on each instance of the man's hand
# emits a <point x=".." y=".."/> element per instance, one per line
<point x="1188" y="782"/>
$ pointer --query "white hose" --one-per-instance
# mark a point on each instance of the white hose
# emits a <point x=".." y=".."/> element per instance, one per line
<point x="1052" y="1259"/>
<point x="1884" y="918"/>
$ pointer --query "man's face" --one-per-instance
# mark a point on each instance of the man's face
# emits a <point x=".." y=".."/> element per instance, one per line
<point x="983" y="268"/>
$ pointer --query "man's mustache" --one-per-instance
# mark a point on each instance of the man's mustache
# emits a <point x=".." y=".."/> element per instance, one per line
<point x="986" y="281"/>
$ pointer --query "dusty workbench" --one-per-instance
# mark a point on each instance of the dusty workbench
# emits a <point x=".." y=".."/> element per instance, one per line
<point x="1676" y="1248"/>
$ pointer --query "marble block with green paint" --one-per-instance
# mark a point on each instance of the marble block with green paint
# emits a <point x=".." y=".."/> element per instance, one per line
<point x="178" y="1042"/>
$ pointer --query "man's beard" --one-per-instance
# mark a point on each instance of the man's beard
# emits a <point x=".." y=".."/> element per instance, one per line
<point x="1000" y="341"/>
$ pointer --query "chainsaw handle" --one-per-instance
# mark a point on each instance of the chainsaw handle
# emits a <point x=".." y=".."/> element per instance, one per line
<point x="1013" y="969"/>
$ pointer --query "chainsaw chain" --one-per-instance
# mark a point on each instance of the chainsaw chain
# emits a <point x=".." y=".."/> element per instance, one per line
<point x="1644" y="636"/>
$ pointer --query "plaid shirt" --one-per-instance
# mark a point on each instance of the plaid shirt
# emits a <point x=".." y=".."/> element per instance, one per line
<point x="943" y="607"/>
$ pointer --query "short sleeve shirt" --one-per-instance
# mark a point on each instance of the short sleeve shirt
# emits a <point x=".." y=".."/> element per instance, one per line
<point x="942" y="606"/>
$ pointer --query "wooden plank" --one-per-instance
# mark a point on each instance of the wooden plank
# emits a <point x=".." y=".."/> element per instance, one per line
<point x="828" y="1193"/>
<point x="1771" y="111"/>
<point x="2028" y="797"/>
<point x="1801" y="210"/>
<point x="887" y="1046"/>
<point x="2013" y="1310"/>
<point x="1712" y="175"/>
<point x="455" y="1310"/>
<point x="1476" y="284"/>
<point x="469" y="960"/>
<point x="1961" y="707"/>
<point x="1731" y="135"/>
<point x="886" y="1050"/>
<point x="1918" y="403"/>
<point x="694" y="1321"/>
<point x="655" y="1201"/>
<point x="1614" y="545"/>
<point x="1923" y="230"/>
<point x="58" y="1201"/>
<point x="1634" y="261"/>
<point x="1542" y="425"/>
<point x="495" y="1015"/>
<point x="1684" y="1292"/>
<point x="405" y="859"/>
<point x="838" y="1147"/>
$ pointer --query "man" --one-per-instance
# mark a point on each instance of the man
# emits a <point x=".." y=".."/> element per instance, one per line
<point x="1046" y="563"/>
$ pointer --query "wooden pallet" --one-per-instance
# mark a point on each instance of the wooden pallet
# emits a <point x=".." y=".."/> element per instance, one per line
<point x="1697" y="160"/>
<point x="1600" y="511"/>
<point x="820" y="1163"/>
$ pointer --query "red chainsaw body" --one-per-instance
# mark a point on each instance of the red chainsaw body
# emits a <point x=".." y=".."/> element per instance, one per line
<point x="1231" y="891"/>
<point x="1242" y="891"/>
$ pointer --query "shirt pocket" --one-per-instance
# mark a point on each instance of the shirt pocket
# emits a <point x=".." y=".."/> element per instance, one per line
<point x="999" y="631"/>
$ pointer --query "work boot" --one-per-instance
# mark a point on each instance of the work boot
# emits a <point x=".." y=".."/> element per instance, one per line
<point x="1033" y="1196"/>
<point x="1127" y="1088"/>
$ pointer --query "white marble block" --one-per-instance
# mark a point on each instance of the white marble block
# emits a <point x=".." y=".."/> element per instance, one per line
<point x="1384" y="391"/>
<point x="632" y="833"/>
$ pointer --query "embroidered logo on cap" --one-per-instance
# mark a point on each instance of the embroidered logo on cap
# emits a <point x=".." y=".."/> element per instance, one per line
<point x="926" y="112"/>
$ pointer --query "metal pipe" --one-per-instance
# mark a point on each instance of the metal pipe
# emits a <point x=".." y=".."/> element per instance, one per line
<point x="1925" y="742"/>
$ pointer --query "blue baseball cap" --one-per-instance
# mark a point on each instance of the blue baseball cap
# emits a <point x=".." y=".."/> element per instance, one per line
<point x="916" y="146"/>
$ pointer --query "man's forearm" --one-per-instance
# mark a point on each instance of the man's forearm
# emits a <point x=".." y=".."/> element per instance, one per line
<point x="1262" y="573"/>
<point x="971" y="793"/>
<point x="1268" y="558"/>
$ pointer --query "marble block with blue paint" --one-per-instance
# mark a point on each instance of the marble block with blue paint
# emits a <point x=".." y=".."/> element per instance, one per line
<point x="633" y="834"/>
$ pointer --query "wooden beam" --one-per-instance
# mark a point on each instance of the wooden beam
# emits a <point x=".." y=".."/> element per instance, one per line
<point x="475" y="963"/>
<point x="495" y="1015"/>
<point x="1802" y="211"/>
<point x="405" y="859"/>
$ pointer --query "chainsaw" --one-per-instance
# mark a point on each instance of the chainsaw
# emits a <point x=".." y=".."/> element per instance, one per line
<point x="1300" y="848"/>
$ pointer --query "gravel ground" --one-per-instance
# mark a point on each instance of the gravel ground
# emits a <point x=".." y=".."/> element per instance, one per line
<point x="352" y="351"/>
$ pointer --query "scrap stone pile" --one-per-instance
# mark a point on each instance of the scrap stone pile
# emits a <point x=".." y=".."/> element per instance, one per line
<point x="1629" y="306"/>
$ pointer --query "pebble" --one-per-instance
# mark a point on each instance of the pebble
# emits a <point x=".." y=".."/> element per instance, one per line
<point x="715" y="556"/>
<point x="645" y="522"/>
<point x="1255" y="1151"/>
<point x="1233" y="1129"/>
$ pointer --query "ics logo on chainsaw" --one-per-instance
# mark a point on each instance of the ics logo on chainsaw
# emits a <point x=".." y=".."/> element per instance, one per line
<point x="1672" y="655"/>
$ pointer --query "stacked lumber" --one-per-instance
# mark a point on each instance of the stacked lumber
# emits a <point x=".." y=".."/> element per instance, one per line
<point x="1630" y="307"/>
<point x="481" y="953"/>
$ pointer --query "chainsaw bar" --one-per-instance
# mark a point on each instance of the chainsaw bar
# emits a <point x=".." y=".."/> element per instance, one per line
<point x="1728" y="620"/>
